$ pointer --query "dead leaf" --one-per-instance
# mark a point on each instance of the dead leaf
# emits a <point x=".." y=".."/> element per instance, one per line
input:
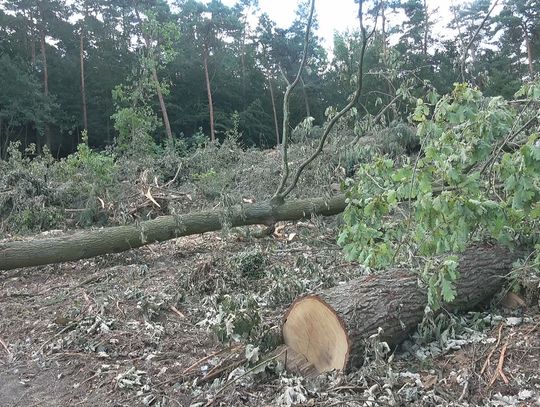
<point x="512" y="301"/>
<point x="429" y="381"/>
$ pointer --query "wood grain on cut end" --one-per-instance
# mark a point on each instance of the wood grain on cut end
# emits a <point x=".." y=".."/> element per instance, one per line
<point x="313" y="329"/>
<point x="329" y="329"/>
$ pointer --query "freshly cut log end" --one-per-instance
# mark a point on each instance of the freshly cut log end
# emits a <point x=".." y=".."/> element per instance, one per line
<point x="328" y="331"/>
<point x="313" y="329"/>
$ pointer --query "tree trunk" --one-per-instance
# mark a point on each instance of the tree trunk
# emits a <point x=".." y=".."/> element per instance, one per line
<point x="155" y="78"/>
<point x="528" y="45"/>
<point x="45" y="78"/>
<point x="383" y="32"/>
<point x="209" y="92"/>
<point x="306" y="101"/>
<point x="162" y="105"/>
<point x="426" y="28"/>
<point x="83" y="89"/>
<point x="85" y="244"/>
<point x="1" y="136"/>
<point x="274" y="109"/>
<point x="329" y="330"/>
<point x="32" y="39"/>
<point x="243" y="61"/>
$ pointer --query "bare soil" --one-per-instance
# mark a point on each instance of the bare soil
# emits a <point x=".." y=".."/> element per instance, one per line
<point x="122" y="330"/>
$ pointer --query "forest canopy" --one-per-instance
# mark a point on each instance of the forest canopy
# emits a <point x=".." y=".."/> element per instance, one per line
<point x="188" y="70"/>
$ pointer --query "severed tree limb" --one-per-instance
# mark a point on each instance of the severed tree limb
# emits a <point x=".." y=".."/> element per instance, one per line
<point x="90" y="243"/>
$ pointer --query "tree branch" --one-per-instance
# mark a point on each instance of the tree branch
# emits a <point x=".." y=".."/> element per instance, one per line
<point x="466" y="50"/>
<point x="342" y="112"/>
<point x="290" y="87"/>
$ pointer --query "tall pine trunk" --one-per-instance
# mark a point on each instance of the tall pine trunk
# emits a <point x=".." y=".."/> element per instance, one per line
<point x="209" y="92"/>
<point x="426" y="28"/>
<point x="32" y="39"/>
<point x="45" y="76"/>
<point x="306" y="101"/>
<point x="528" y="45"/>
<point x="383" y="18"/>
<point x="162" y="105"/>
<point x="83" y="88"/>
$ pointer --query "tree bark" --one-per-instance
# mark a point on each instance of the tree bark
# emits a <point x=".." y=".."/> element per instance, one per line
<point x="32" y="40"/>
<point x="209" y="93"/>
<point x="274" y="109"/>
<point x="383" y="31"/>
<point x="306" y="101"/>
<point x="330" y="329"/>
<point x="45" y="75"/>
<point x="83" y="89"/>
<point x="528" y="45"/>
<point x="1" y="136"/>
<point x="426" y="28"/>
<point x="85" y="244"/>
<point x="162" y="105"/>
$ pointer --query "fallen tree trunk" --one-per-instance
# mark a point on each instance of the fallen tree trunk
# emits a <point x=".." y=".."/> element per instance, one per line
<point x="90" y="243"/>
<point x="328" y="331"/>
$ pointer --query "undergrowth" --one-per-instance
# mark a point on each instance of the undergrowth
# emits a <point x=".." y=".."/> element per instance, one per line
<point x="110" y="187"/>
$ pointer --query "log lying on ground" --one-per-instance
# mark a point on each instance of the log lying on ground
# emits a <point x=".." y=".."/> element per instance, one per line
<point x="90" y="243"/>
<point x="328" y="331"/>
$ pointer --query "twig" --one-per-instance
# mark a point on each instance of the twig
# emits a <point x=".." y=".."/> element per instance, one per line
<point x="194" y="365"/>
<point x="530" y="331"/>
<point x="488" y="359"/>
<point x="508" y="139"/>
<point x="499" y="371"/>
<point x="68" y="327"/>
<point x="217" y="372"/>
<point x="376" y="118"/>
<point x="175" y="176"/>
<point x="466" y="50"/>
<point x="464" y="392"/>
<point x="175" y="310"/>
<point x="89" y="378"/>
<point x="245" y="374"/>
<point x="5" y="346"/>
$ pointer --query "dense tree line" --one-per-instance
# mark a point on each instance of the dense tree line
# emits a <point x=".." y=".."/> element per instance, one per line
<point x="185" y="70"/>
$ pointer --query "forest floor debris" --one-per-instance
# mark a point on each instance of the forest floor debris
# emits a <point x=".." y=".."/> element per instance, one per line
<point x="190" y="322"/>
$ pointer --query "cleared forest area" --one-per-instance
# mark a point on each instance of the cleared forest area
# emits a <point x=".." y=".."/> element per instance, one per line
<point x="235" y="217"/>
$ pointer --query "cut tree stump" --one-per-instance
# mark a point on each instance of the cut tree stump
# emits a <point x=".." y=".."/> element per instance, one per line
<point x="328" y="331"/>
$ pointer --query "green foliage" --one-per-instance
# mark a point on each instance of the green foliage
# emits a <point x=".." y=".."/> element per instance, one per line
<point x="208" y="183"/>
<point x="134" y="119"/>
<point x="87" y="163"/>
<point x="440" y="277"/>
<point x="398" y="139"/>
<point x="463" y="187"/>
<point x="27" y="203"/>
<point x="250" y="264"/>
<point x="232" y="317"/>
<point x="37" y="189"/>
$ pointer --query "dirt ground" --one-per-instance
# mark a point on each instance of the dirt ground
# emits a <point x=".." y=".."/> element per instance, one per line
<point x="126" y="330"/>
